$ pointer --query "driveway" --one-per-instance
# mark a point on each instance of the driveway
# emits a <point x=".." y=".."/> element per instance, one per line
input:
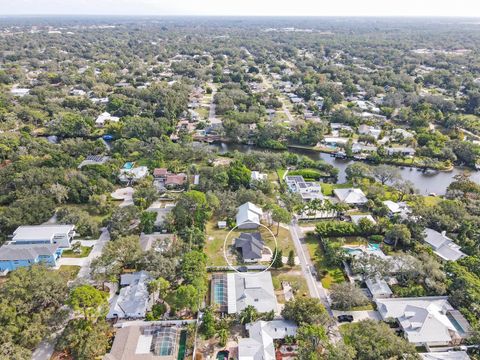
<point x="104" y="238"/>
<point x="360" y="315"/>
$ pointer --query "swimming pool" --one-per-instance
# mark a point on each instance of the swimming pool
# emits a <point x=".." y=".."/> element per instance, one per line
<point x="128" y="165"/>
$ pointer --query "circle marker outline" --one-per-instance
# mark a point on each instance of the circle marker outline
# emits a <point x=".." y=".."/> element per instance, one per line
<point x="246" y="273"/>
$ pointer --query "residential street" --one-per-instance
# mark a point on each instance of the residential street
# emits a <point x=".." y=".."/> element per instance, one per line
<point x="315" y="287"/>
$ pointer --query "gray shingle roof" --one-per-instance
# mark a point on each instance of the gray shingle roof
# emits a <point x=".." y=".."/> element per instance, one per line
<point x="26" y="252"/>
<point x="250" y="244"/>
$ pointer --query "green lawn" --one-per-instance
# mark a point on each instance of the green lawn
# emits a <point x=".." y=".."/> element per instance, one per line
<point x="431" y="200"/>
<point x="85" y="251"/>
<point x="281" y="173"/>
<point x="298" y="282"/>
<point x="327" y="188"/>
<point x="334" y="275"/>
<point x="69" y="272"/>
<point x="216" y="239"/>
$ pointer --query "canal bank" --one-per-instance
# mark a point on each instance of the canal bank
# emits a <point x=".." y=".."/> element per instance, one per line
<point x="425" y="183"/>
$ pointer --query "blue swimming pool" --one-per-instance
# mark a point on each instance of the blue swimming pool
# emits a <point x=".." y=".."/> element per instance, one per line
<point x="128" y="165"/>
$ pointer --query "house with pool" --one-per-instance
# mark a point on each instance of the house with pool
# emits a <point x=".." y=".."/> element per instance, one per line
<point x="233" y="292"/>
<point x="134" y="341"/>
<point x="426" y="321"/>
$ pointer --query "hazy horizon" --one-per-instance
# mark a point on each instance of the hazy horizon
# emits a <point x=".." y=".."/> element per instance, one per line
<point x="265" y="8"/>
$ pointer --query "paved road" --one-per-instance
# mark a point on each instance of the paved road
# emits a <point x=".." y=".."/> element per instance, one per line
<point x="104" y="238"/>
<point x="314" y="286"/>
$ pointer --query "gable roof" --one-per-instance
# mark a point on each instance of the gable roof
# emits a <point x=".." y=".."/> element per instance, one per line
<point x="254" y="289"/>
<point x="132" y="300"/>
<point x="445" y="355"/>
<point x="248" y="212"/>
<point x="425" y="319"/>
<point x="356" y="218"/>
<point x="443" y="246"/>
<point x="251" y="245"/>
<point x="378" y="286"/>
<point x="27" y="251"/>
<point x="260" y="343"/>
<point x="351" y="196"/>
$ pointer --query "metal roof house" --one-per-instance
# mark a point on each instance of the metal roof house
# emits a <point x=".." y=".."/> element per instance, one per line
<point x="445" y="355"/>
<point x="443" y="246"/>
<point x="250" y="246"/>
<point x="248" y="216"/>
<point x="351" y="196"/>
<point x="378" y="288"/>
<point x="133" y="300"/>
<point x="262" y="334"/>
<point x="13" y="257"/>
<point x="254" y="289"/>
<point x="44" y="234"/>
<point x="426" y="321"/>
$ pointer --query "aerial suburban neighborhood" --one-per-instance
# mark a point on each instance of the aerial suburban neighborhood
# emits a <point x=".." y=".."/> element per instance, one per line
<point x="246" y="189"/>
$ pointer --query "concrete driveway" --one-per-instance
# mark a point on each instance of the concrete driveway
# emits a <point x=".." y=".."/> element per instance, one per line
<point x="360" y="315"/>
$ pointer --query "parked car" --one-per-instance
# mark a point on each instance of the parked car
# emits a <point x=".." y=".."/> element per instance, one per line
<point x="107" y="137"/>
<point x="242" y="269"/>
<point x="345" y="318"/>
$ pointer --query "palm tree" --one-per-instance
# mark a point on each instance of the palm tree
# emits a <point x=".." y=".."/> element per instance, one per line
<point x="248" y="315"/>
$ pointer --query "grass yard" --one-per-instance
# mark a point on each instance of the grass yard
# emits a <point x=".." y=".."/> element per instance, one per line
<point x="298" y="282"/>
<point x="69" y="272"/>
<point x="327" y="189"/>
<point x="216" y="239"/>
<point x="334" y="275"/>
<point x="431" y="200"/>
<point x="85" y="251"/>
<point x="203" y="113"/>
<point x="281" y="173"/>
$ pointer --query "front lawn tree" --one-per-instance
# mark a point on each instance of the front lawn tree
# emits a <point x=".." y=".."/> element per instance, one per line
<point x="89" y="301"/>
<point x="280" y="215"/>
<point x="346" y="296"/>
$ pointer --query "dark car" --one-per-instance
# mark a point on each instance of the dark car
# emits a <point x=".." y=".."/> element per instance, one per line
<point x="242" y="269"/>
<point x="345" y="318"/>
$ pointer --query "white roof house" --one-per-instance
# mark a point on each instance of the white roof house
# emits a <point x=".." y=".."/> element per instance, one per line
<point x="104" y="117"/>
<point x="445" y="355"/>
<point x="428" y="321"/>
<point x="248" y="216"/>
<point x="378" y="288"/>
<point x="44" y="234"/>
<point x="251" y="289"/>
<point x="400" y="208"/>
<point x="356" y="218"/>
<point x="20" y="92"/>
<point x="132" y="302"/>
<point x="134" y="174"/>
<point x="369" y="130"/>
<point x="402" y="132"/>
<point x="260" y="343"/>
<point x="351" y="196"/>
<point x="258" y="176"/>
<point x="443" y="246"/>
<point x="308" y="190"/>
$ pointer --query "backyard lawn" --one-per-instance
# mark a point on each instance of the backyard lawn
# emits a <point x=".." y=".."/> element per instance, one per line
<point x="334" y="275"/>
<point x="216" y="239"/>
<point x="85" y="251"/>
<point x="297" y="281"/>
<point x="69" y="272"/>
<point x="327" y="188"/>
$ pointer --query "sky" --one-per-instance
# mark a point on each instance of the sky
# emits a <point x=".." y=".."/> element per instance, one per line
<point x="470" y="8"/>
